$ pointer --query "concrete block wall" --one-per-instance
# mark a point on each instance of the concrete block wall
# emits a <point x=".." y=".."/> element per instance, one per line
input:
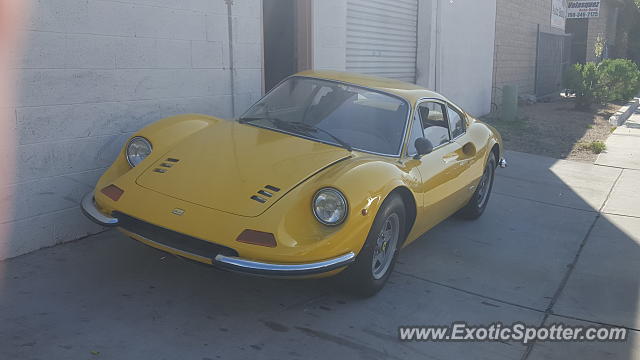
<point x="516" y="40"/>
<point x="95" y="71"/>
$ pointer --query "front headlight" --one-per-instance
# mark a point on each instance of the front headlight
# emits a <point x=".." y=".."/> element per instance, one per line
<point x="138" y="149"/>
<point x="330" y="206"/>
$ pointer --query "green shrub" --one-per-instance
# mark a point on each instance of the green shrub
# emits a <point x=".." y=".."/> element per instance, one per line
<point x="610" y="80"/>
<point x="618" y="79"/>
<point x="583" y="80"/>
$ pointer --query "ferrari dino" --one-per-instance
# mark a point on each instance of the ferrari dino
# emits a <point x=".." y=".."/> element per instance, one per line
<point x="328" y="173"/>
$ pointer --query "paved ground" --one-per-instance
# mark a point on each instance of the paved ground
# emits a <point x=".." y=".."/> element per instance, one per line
<point x="623" y="148"/>
<point x="560" y="242"/>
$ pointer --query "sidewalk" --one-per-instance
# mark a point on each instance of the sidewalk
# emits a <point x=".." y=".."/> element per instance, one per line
<point x="623" y="146"/>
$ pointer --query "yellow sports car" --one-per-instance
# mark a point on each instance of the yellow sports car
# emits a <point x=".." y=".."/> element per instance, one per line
<point x="330" y="172"/>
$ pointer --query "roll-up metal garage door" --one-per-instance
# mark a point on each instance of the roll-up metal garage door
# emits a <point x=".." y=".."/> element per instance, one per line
<point x="382" y="38"/>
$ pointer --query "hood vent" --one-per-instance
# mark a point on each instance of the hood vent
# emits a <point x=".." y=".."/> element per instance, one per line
<point x="265" y="194"/>
<point x="164" y="166"/>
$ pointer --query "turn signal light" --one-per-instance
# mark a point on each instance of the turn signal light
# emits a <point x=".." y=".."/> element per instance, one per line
<point x="254" y="237"/>
<point x="113" y="192"/>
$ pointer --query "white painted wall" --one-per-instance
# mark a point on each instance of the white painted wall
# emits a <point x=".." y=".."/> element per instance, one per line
<point x="455" y="47"/>
<point x="95" y="71"/>
<point x="463" y="52"/>
<point x="329" y="34"/>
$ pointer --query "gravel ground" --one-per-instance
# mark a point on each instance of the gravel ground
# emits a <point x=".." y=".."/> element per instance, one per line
<point x="557" y="130"/>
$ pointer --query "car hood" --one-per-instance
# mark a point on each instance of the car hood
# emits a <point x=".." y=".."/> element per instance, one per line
<point x="225" y="167"/>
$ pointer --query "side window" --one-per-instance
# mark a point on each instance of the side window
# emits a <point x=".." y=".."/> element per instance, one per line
<point x="434" y="122"/>
<point x="456" y="122"/>
<point x="416" y="133"/>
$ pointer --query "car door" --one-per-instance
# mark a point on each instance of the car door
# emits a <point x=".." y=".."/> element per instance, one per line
<point x="439" y="170"/>
<point x="468" y="165"/>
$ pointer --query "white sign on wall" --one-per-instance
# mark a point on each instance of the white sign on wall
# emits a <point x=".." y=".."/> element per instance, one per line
<point x="583" y="9"/>
<point x="558" y="13"/>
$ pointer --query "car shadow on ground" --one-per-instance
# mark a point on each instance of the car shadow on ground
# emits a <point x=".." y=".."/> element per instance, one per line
<point x="543" y="253"/>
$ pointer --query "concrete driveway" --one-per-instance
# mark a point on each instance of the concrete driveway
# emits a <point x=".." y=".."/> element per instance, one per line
<point x="560" y="242"/>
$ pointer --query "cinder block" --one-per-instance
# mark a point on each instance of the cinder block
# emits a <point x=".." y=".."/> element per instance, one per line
<point x="90" y="52"/>
<point x="248" y="8"/>
<point x="180" y="24"/>
<point x="59" y="122"/>
<point x="71" y="16"/>
<point x="248" y="81"/>
<point x="248" y="56"/>
<point x="247" y="30"/>
<point x="58" y="87"/>
<point x="113" y="18"/>
<point x="137" y="53"/>
<point x="44" y="50"/>
<point x="217" y="27"/>
<point x="41" y="160"/>
<point x="207" y="54"/>
<point x="47" y="195"/>
<point x="174" y="54"/>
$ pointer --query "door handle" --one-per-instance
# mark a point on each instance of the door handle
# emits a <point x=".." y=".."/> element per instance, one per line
<point x="448" y="159"/>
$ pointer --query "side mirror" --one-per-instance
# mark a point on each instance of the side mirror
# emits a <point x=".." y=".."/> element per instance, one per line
<point x="424" y="147"/>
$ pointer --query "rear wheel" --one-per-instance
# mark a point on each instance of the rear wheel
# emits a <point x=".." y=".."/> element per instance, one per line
<point x="478" y="203"/>
<point x="375" y="262"/>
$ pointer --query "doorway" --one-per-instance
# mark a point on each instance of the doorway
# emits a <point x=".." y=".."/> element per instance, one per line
<point x="287" y="39"/>
<point x="579" y="29"/>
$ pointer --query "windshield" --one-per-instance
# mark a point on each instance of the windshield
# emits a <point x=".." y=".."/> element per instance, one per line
<point x="334" y="113"/>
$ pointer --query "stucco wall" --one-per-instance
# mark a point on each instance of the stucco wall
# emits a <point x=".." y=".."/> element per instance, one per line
<point x="516" y="40"/>
<point x="95" y="71"/>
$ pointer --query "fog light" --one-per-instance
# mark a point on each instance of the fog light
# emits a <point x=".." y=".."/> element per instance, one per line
<point x="254" y="237"/>
<point x="113" y="192"/>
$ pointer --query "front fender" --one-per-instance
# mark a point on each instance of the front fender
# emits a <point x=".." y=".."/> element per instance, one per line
<point x="365" y="182"/>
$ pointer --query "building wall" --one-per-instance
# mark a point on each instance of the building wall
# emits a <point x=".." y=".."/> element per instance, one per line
<point x="604" y="27"/>
<point x="95" y="71"/>
<point x="516" y="40"/>
<point x="464" y="53"/>
<point x="463" y="69"/>
<point x="329" y="35"/>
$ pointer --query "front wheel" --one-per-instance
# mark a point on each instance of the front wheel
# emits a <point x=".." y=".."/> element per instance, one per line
<point x="478" y="203"/>
<point x="375" y="262"/>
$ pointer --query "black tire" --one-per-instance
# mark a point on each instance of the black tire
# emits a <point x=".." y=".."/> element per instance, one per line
<point x="478" y="203"/>
<point x="360" y="278"/>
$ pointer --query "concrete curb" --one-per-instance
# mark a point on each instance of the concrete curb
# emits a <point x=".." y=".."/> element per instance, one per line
<point x="624" y="112"/>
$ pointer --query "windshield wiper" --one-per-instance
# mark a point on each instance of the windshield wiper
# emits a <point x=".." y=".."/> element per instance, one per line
<point x="312" y="128"/>
<point x="296" y="126"/>
<point x="252" y="119"/>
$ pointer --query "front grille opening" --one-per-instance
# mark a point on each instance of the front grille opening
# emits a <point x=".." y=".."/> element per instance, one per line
<point x="172" y="238"/>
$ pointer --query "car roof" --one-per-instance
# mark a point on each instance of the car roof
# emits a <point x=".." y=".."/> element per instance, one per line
<point x="408" y="91"/>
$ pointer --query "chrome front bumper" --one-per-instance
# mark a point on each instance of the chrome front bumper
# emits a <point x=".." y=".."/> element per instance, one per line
<point x="231" y="263"/>
<point x="90" y="210"/>
<point x="282" y="270"/>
